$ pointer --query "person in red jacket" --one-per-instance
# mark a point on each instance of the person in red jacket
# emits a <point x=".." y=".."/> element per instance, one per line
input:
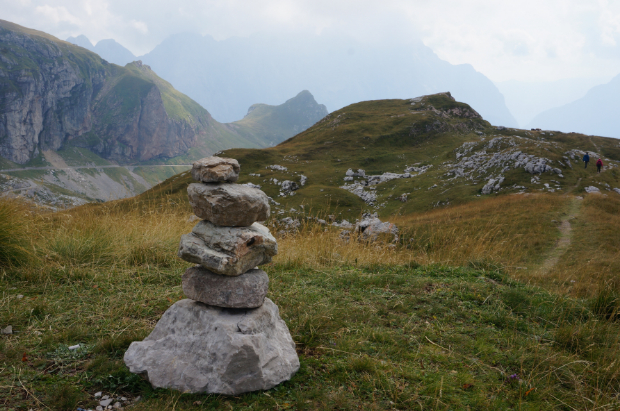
<point x="599" y="164"/>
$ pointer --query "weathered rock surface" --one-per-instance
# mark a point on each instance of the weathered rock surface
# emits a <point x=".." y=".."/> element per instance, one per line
<point x="200" y="348"/>
<point x="370" y="228"/>
<point x="54" y="92"/>
<point x="215" y="169"/>
<point x="245" y="291"/>
<point x="228" y="250"/>
<point x="592" y="189"/>
<point x="227" y="204"/>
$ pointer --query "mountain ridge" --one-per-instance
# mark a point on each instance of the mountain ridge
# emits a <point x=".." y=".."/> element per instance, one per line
<point x="594" y="113"/>
<point x="228" y="76"/>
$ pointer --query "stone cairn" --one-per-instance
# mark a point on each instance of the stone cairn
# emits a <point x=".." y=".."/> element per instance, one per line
<point x="227" y="337"/>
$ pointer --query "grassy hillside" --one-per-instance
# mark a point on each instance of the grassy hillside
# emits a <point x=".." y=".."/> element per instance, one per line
<point x="271" y="125"/>
<point x="489" y="302"/>
<point x="390" y="135"/>
<point x="434" y="325"/>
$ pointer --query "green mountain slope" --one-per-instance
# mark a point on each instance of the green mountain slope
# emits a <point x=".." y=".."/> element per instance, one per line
<point x="439" y="152"/>
<point x="273" y="124"/>
<point x="53" y="94"/>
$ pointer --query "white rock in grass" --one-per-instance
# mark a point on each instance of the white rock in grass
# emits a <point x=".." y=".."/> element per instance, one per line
<point x="228" y="250"/>
<point x="199" y="348"/>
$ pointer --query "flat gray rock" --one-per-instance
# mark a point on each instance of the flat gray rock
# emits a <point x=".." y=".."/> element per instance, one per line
<point x="228" y="250"/>
<point x="203" y="349"/>
<point x="230" y="205"/>
<point x="245" y="291"/>
<point x="215" y="169"/>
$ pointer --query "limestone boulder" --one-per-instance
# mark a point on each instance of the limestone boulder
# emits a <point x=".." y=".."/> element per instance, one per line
<point x="230" y="205"/>
<point x="198" y="348"/>
<point x="228" y="250"/>
<point x="215" y="169"/>
<point x="247" y="290"/>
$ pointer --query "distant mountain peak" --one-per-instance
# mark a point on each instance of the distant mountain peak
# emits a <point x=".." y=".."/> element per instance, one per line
<point x="109" y="49"/>
<point x="81" y="41"/>
<point x="275" y="124"/>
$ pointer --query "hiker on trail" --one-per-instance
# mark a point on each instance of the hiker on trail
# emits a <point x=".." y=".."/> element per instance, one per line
<point x="599" y="164"/>
<point x="586" y="159"/>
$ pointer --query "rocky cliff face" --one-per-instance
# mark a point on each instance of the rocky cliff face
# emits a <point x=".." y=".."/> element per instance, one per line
<point x="53" y="93"/>
<point x="44" y="95"/>
<point x="131" y="120"/>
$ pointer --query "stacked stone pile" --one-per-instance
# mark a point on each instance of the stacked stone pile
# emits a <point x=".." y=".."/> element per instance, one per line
<point x="227" y="337"/>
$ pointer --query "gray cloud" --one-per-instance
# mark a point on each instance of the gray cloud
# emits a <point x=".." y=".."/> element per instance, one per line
<point x="526" y="40"/>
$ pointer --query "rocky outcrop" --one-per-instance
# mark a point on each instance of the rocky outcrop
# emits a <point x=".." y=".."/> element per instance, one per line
<point x="52" y="93"/>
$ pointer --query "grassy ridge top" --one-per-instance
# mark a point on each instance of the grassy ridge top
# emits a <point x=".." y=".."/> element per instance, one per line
<point x="435" y="134"/>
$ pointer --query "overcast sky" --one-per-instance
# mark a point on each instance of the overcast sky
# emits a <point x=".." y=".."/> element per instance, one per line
<point x="530" y="40"/>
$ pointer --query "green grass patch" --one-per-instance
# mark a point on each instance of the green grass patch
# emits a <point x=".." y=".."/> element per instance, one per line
<point x="376" y="337"/>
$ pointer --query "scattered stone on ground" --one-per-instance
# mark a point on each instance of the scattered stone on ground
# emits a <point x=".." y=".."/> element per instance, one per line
<point x="370" y="228"/>
<point x="215" y="170"/>
<point x="229" y="205"/>
<point x="8" y="330"/>
<point x="247" y="290"/>
<point x="228" y="250"/>
<point x="592" y="189"/>
<point x="200" y="348"/>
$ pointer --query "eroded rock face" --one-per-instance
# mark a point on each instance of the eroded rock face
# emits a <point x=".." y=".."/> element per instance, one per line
<point x="215" y="169"/>
<point x="200" y="348"/>
<point x="229" y="205"/>
<point x="245" y="291"/>
<point x="228" y="250"/>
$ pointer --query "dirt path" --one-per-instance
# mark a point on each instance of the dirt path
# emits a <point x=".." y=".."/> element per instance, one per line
<point x="564" y="241"/>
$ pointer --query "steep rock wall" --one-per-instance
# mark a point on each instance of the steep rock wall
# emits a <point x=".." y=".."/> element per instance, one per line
<point x="52" y="93"/>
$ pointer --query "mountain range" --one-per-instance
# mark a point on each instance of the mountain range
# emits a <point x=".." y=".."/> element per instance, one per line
<point x="227" y="76"/>
<point x="53" y="93"/>
<point x="595" y="113"/>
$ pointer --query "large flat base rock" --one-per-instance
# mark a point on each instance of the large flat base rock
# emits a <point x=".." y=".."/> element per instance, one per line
<point x="244" y="291"/>
<point x="199" y="348"/>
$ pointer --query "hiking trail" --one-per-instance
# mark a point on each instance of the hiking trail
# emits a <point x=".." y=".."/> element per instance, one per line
<point x="564" y="241"/>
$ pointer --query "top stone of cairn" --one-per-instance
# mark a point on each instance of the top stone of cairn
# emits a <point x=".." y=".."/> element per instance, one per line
<point x="215" y="170"/>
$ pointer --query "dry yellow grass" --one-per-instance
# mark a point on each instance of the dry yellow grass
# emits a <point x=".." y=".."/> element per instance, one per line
<point x="514" y="232"/>
<point x="511" y="231"/>
<point x="592" y="261"/>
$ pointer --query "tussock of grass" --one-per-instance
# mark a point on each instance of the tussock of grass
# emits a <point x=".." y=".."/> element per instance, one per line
<point x="14" y="241"/>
